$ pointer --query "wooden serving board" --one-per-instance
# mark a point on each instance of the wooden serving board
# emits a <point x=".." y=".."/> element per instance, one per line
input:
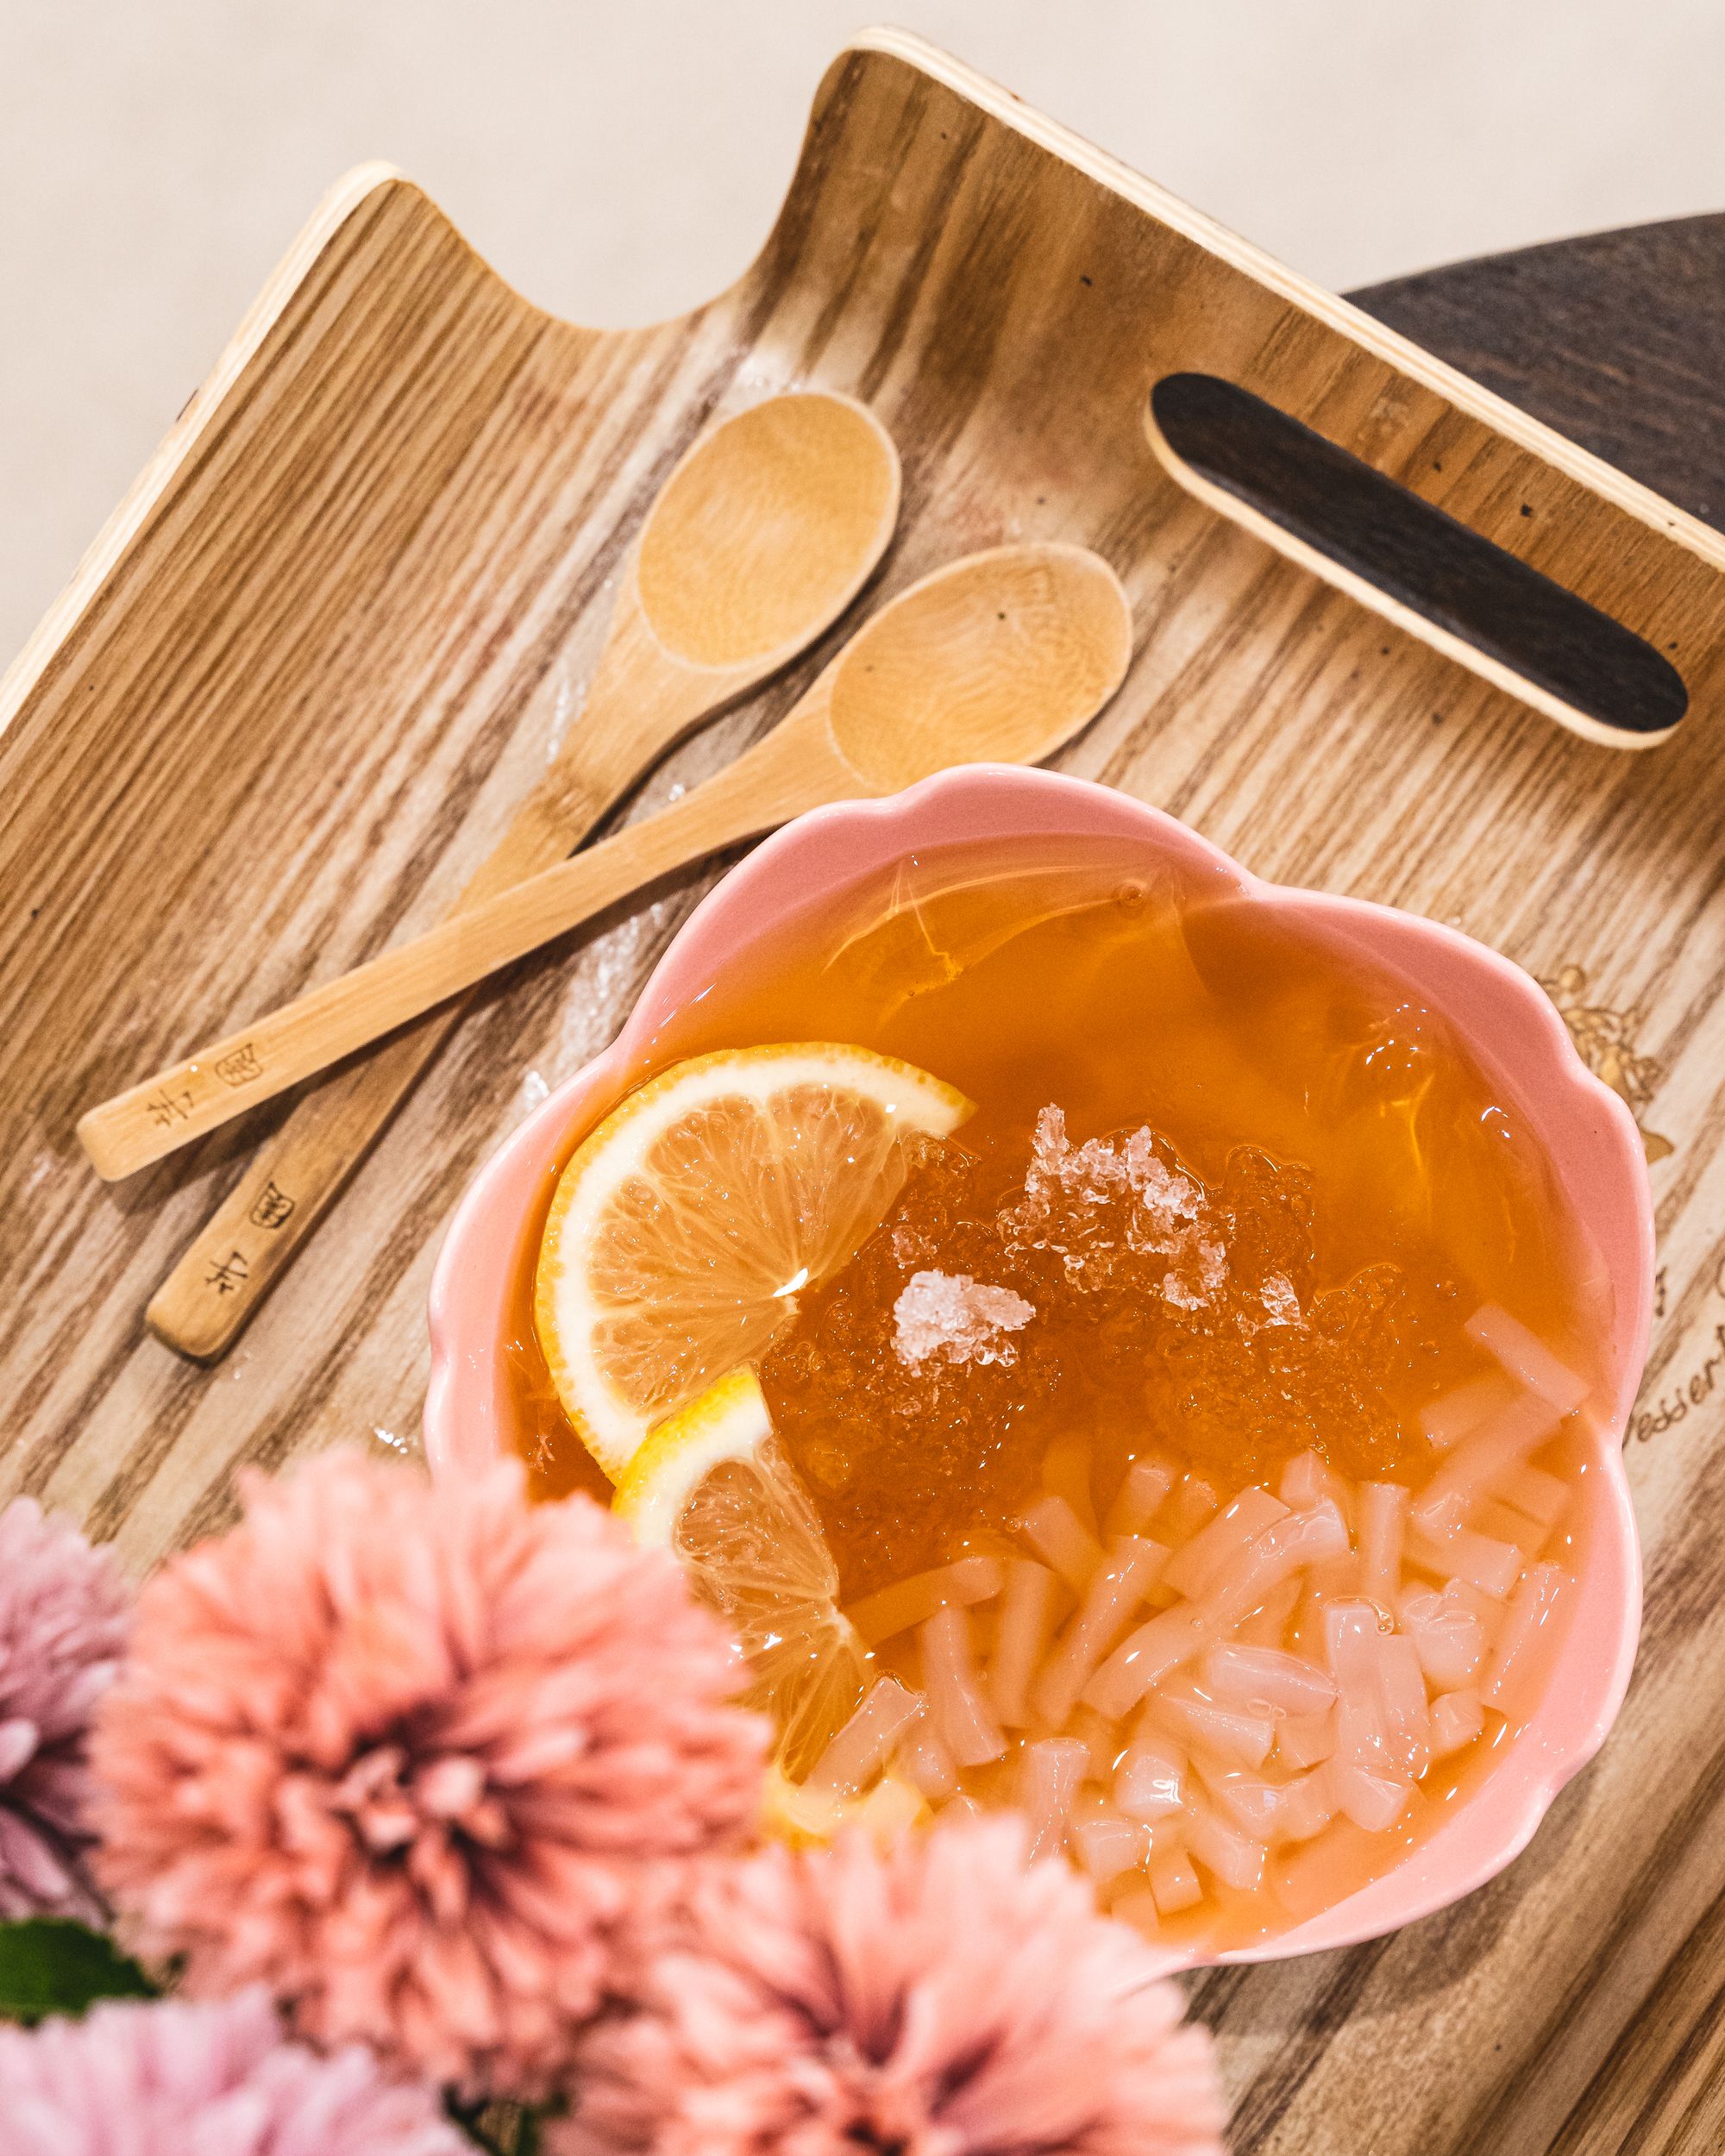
<point x="291" y="699"/>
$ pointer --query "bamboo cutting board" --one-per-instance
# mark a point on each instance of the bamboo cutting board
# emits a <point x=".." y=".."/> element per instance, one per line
<point x="324" y="649"/>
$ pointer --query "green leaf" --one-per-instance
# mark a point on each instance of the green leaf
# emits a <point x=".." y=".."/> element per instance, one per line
<point x="51" y="1966"/>
<point x="502" y="2129"/>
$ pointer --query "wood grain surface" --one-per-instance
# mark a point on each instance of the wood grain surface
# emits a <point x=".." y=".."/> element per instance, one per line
<point x="805" y="490"/>
<point x="330" y="643"/>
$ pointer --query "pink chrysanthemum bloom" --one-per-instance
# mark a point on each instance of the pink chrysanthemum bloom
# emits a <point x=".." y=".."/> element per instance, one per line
<point x="942" y="2000"/>
<point x="63" y="1615"/>
<point x="407" y="1754"/>
<point x="170" y="2078"/>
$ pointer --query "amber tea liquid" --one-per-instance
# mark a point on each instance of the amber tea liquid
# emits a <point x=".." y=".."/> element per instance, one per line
<point x="1357" y="1148"/>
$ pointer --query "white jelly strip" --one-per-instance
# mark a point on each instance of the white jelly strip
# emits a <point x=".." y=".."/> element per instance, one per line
<point x="1447" y="1420"/>
<point x="1267" y="1625"/>
<point x="1522" y="1635"/>
<point x="1142" y="1658"/>
<point x="1306" y="1480"/>
<point x="1381" y="1723"/>
<point x="909" y="1602"/>
<point x="1050" y="1774"/>
<point x="1100" y="1739"/>
<point x="1107" y="1845"/>
<point x="1526" y="1357"/>
<point x="1445" y="1634"/>
<point x="1401" y="1688"/>
<point x="922" y="1758"/>
<point x="1171" y="1638"/>
<point x="1194" y="1501"/>
<point x="1383" y="1513"/>
<point x="1246" y="1801"/>
<point x="1307" y="1806"/>
<point x="1305" y="1740"/>
<point x="1026" y="1612"/>
<point x="865" y="1742"/>
<point x="1350" y="1637"/>
<point x="1128" y="1573"/>
<point x="1374" y="1802"/>
<point x="1294" y="1540"/>
<point x="1541" y="1497"/>
<point x="1233" y="1857"/>
<point x="1229" y="1735"/>
<point x="1457" y="1718"/>
<point x="1054" y="1532"/>
<point x="1499" y="1445"/>
<point x="1221" y="1543"/>
<point x="949" y="1675"/>
<point x="1267" y="1680"/>
<point x="1173" y="1883"/>
<point x="1335" y="1579"/>
<point x="1149" y="1782"/>
<point x="1504" y="1524"/>
<point x="1139" y="1499"/>
<point x="1492" y="1567"/>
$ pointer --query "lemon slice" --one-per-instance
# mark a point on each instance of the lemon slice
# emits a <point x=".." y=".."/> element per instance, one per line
<point x="712" y="1486"/>
<point x="806" y="1818"/>
<point x="684" y="1226"/>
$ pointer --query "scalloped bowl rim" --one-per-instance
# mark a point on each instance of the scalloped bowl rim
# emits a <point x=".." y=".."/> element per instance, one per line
<point x="1585" y="1128"/>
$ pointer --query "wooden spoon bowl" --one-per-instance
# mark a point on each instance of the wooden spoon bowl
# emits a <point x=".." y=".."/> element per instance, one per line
<point x="766" y="532"/>
<point x="1001" y="656"/>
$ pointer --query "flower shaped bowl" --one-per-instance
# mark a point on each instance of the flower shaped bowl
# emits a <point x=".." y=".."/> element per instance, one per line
<point x="1508" y="1023"/>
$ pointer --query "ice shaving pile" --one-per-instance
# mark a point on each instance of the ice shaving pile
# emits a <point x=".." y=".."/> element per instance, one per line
<point x="958" y="1318"/>
<point x="1229" y="1617"/>
<point x="1102" y="1288"/>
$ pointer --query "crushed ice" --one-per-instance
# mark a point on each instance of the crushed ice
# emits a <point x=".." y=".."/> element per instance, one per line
<point x="1207" y="1268"/>
<point x="1280" y="1299"/>
<point x="957" y="1318"/>
<point x="1079" y="1199"/>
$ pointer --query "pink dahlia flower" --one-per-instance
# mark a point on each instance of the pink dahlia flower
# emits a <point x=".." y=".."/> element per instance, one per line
<point x="408" y="1754"/>
<point x="942" y="2000"/>
<point x="63" y="1615"/>
<point x="170" y="2078"/>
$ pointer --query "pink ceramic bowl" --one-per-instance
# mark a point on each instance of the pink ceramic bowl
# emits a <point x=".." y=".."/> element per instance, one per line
<point x="1512" y="1029"/>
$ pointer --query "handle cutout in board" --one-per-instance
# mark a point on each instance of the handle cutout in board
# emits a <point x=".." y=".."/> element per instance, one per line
<point x="1406" y="556"/>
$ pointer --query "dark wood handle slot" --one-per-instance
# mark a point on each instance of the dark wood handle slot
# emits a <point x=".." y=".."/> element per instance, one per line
<point x="1417" y="555"/>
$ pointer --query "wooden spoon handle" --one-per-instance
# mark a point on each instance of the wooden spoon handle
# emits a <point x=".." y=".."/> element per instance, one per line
<point x="253" y="1235"/>
<point x="306" y="1036"/>
<point x="804" y="492"/>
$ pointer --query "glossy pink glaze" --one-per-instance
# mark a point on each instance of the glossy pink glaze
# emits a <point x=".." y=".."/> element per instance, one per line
<point x="1508" y="1022"/>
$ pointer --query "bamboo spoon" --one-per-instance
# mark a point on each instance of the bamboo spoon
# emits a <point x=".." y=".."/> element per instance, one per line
<point x="1001" y="656"/>
<point x="760" y="539"/>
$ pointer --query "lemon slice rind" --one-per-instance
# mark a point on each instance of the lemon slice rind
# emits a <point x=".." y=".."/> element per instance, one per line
<point x="765" y="1568"/>
<point x="697" y="1250"/>
<point x="728" y="1422"/>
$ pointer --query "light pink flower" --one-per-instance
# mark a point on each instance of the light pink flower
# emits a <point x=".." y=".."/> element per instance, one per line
<point x="170" y="2078"/>
<point x="64" y="1614"/>
<point x="408" y="1754"/>
<point x="939" y="2000"/>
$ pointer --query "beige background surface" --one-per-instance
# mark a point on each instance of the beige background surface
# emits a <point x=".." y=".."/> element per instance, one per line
<point x="620" y="161"/>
